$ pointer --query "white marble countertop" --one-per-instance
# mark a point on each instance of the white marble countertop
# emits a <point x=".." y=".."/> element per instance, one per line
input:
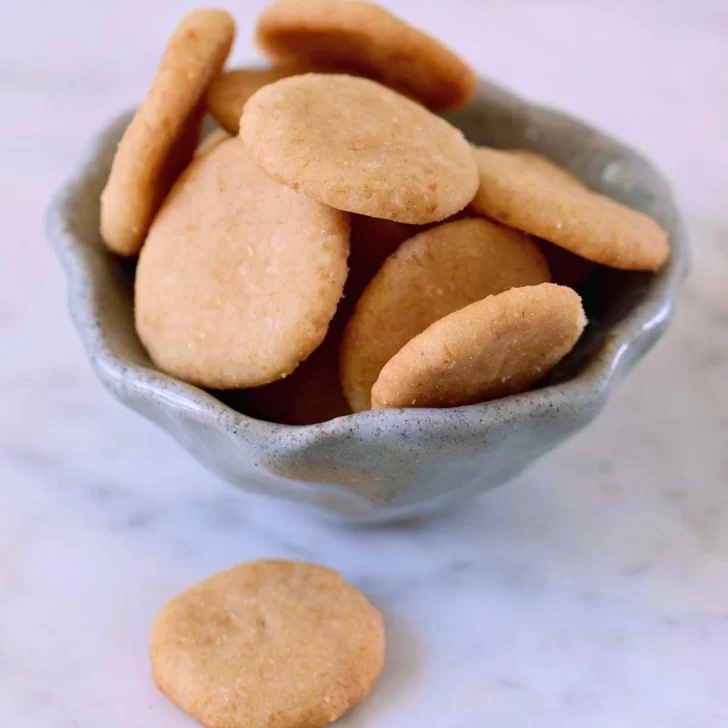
<point x="591" y="592"/>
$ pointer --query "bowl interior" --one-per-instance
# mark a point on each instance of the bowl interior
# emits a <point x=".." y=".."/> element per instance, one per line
<point x="499" y="119"/>
<point x="387" y="461"/>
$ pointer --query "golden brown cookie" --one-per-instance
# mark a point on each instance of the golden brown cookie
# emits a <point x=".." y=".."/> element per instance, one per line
<point x="215" y="137"/>
<point x="310" y="395"/>
<point x="357" y="146"/>
<point x="368" y="41"/>
<point x="501" y="345"/>
<point x="229" y="91"/>
<point x="162" y="136"/>
<point x="268" y="644"/>
<point x="239" y="276"/>
<point x="313" y="392"/>
<point x="429" y="276"/>
<point x="543" y="164"/>
<point x="537" y="197"/>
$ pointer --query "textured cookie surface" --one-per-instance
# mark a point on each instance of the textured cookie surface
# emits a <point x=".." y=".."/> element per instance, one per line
<point x="240" y="276"/>
<point x="541" y="199"/>
<point x="313" y="392"/>
<point x="229" y="91"/>
<point x="310" y="395"/>
<point x="357" y="146"/>
<point x="429" y="276"/>
<point x="368" y="41"/>
<point x="164" y="132"/>
<point x="268" y="644"/>
<point x="501" y="345"/>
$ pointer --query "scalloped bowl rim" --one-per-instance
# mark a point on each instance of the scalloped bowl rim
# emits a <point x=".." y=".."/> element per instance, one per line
<point x="648" y="319"/>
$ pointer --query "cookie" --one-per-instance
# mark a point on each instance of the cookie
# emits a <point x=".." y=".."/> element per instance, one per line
<point x="358" y="146"/>
<point x="501" y="345"/>
<point x="369" y="41"/>
<point x="163" y="135"/>
<point x="310" y="395"/>
<point x="547" y="167"/>
<point x="229" y="91"/>
<point x="313" y="393"/>
<point x="268" y="644"/>
<point x="534" y="196"/>
<point x="215" y="137"/>
<point x="239" y="276"/>
<point x="429" y="276"/>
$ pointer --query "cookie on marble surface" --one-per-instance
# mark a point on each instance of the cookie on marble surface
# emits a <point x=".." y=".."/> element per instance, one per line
<point x="498" y="346"/>
<point x="542" y="199"/>
<point x="429" y="276"/>
<point x="162" y="137"/>
<point x="240" y="276"/>
<point x="228" y="92"/>
<point x="268" y="644"/>
<point x="369" y="41"/>
<point x="355" y="145"/>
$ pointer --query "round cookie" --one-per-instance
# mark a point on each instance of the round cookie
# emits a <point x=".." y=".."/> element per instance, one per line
<point x="429" y="276"/>
<point x="539" y="198"/>
<point x="268" y="644"/>
<point x="501" y="345"/>
<point x="368" y="41"/>
<point x="313" y="393"/>
<point x="240" y="276"/>
<point x="229" y="91"/>
<point x="310" y="395"/>
<point x="357" y="146"/>
<point x="215" y="137"/>
<point x="162" y="136"/>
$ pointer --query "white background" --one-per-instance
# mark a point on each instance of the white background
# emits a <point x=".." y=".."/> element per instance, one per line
<point x="591" y="592"/>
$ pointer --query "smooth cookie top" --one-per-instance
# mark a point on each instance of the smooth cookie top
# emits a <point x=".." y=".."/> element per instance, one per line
<point x="240" y="276"/>
<point x="163" y="135"/>
<point x="501" y="345"/>
<point x="369" y="41"/>
<point x="429" y="276"/>
<point x="358" y="146"/>
<point x="533" y="195"/>
<point x="268" y="644"/>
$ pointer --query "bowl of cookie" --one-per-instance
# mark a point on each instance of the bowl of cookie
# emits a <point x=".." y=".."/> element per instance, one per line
<point x="378" y="284"/>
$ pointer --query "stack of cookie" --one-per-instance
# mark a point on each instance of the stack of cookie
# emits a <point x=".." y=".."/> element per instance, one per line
<point x="336" y="246"/>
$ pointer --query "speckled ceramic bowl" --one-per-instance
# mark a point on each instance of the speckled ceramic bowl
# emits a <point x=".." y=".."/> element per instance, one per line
<point x="386" y="464"/>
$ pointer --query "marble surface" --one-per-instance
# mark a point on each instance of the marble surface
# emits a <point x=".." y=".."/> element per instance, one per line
<point x="591" y="592"/>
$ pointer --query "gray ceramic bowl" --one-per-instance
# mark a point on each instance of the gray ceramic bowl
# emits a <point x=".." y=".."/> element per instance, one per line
<point x="386" y="464"/>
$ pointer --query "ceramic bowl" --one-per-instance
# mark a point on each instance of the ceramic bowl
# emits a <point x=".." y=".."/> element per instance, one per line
<point x="386" y="464"/>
